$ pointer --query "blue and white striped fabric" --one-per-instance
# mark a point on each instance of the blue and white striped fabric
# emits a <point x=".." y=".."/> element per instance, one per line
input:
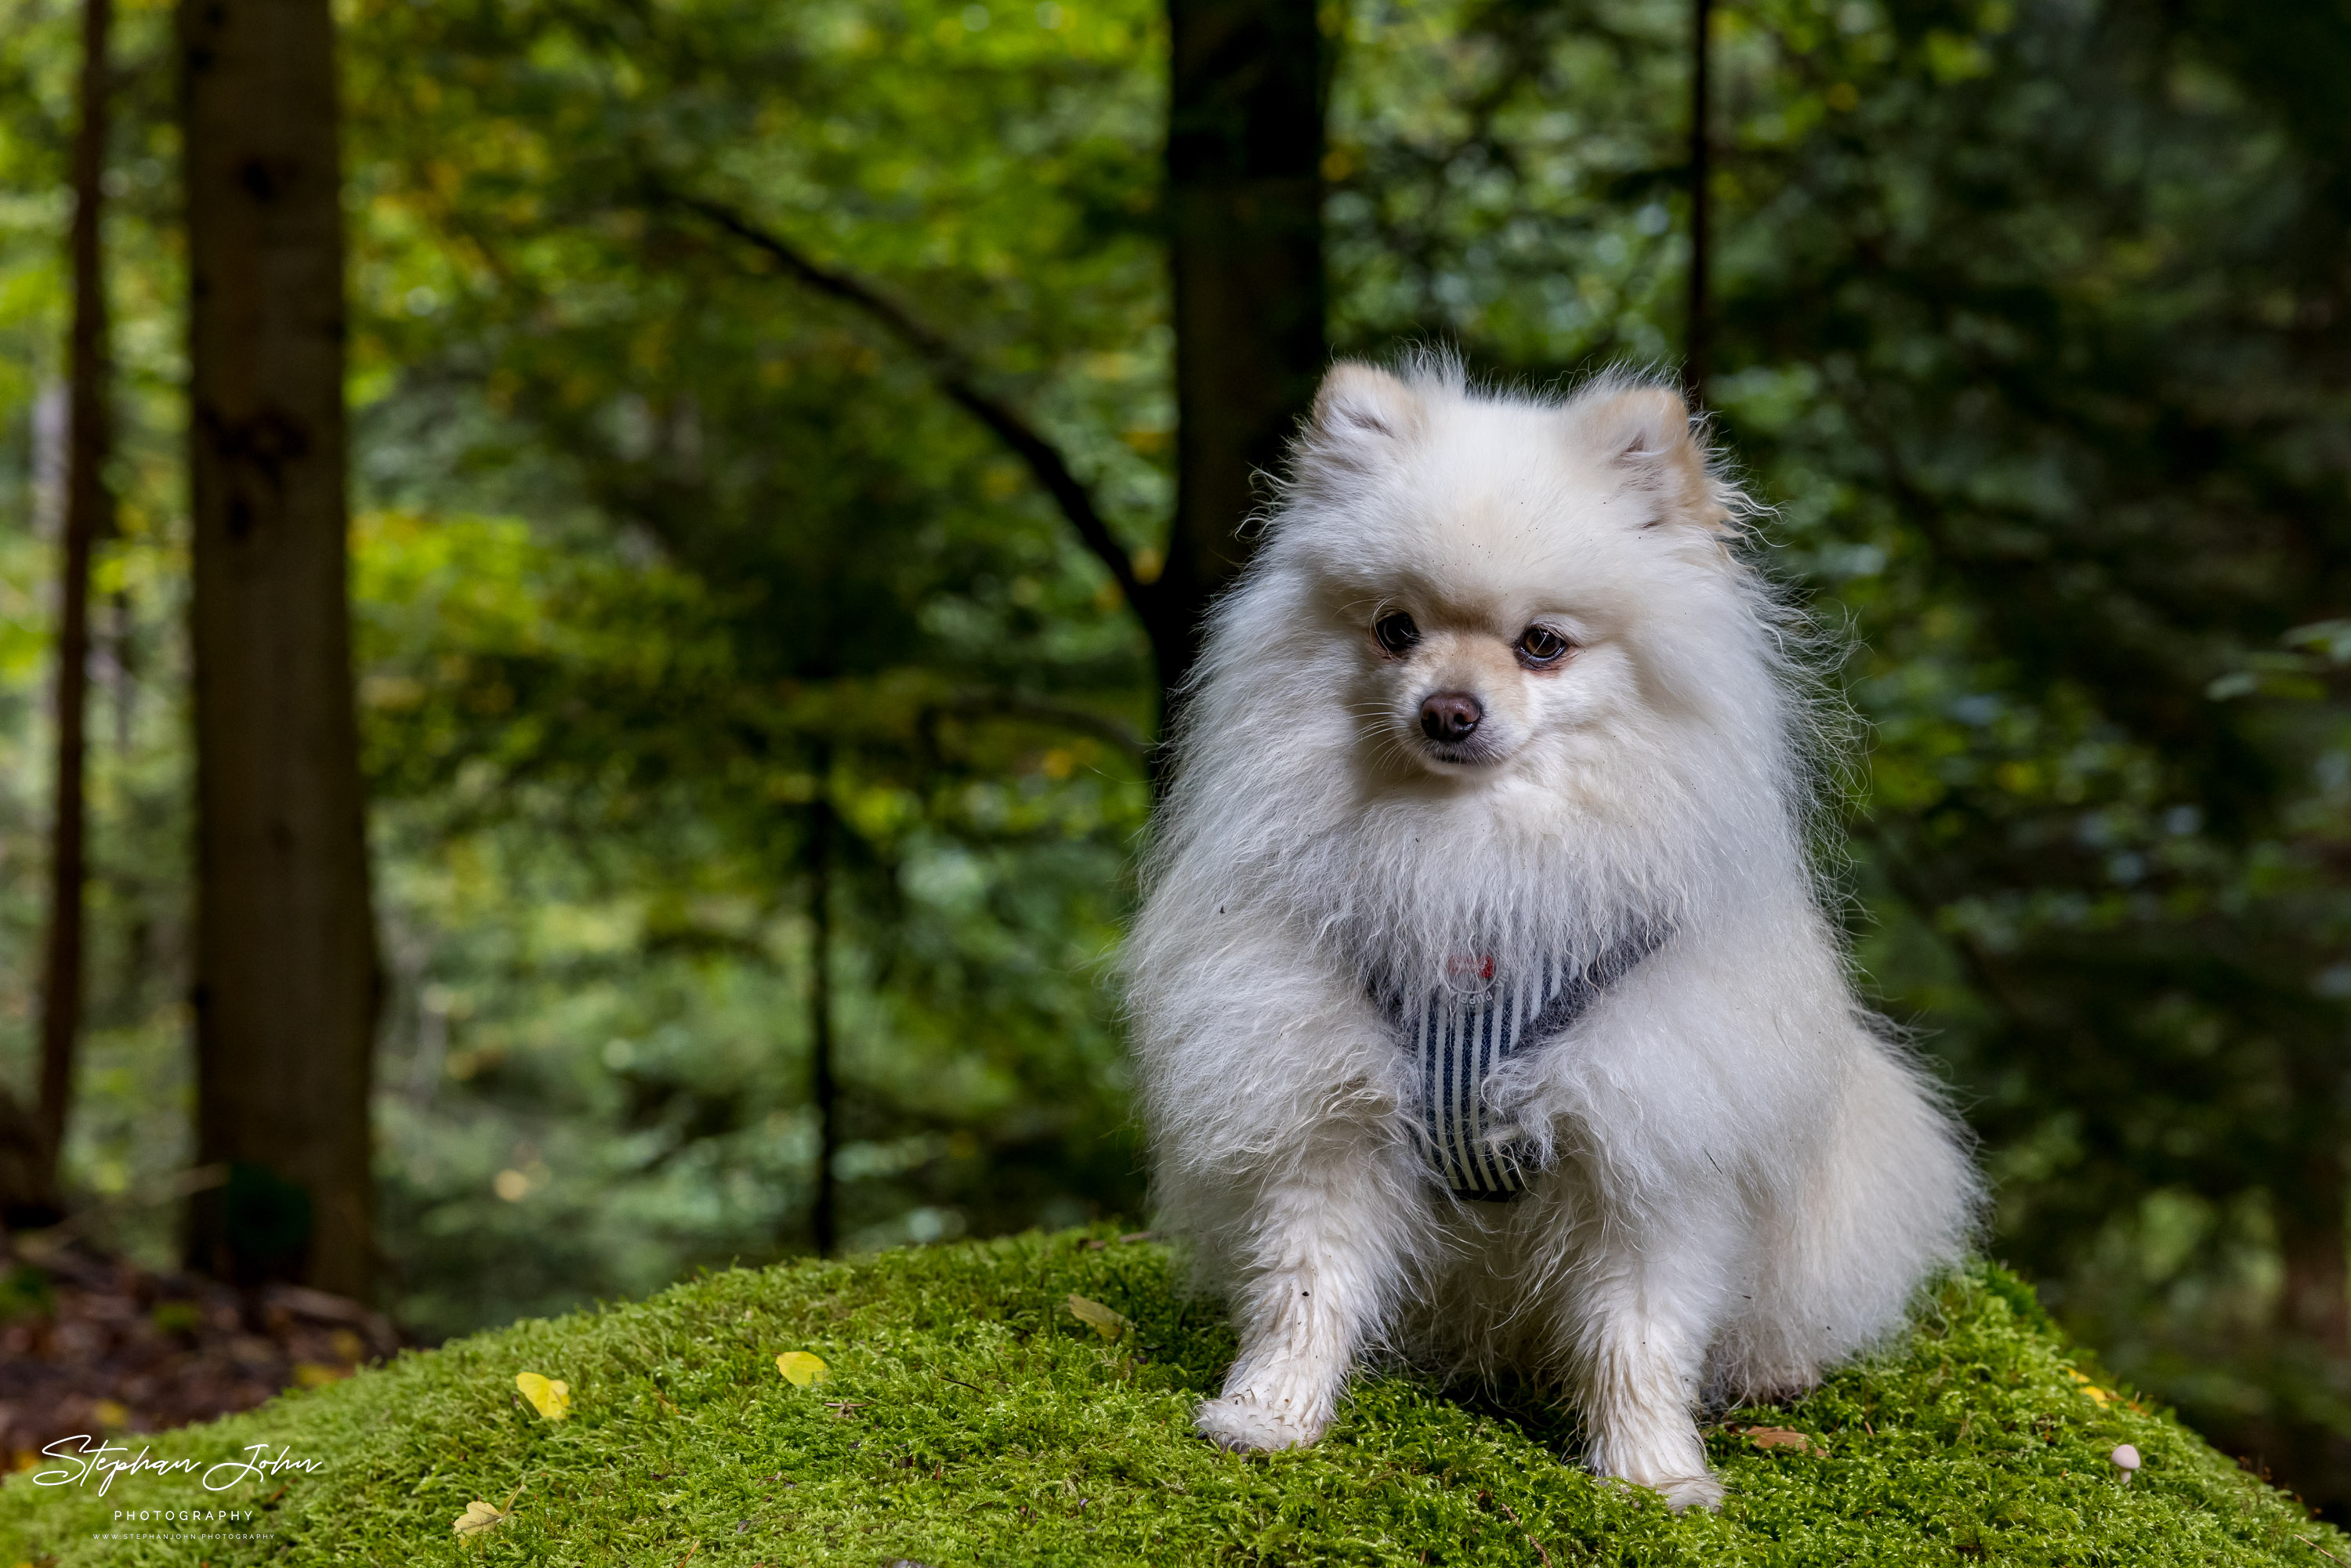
<point x="1460" y="1035"/>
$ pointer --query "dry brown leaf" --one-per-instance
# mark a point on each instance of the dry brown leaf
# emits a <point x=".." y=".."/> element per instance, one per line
<point x="1784" y="1438"/>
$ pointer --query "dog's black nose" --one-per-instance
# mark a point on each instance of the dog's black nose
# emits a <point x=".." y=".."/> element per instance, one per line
<point x="1449" y="717"/>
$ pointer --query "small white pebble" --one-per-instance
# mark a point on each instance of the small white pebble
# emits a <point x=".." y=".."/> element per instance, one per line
<point x="2126" y="1458"/>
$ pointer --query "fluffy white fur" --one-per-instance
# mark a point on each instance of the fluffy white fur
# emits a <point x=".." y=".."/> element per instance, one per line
<point x="1745" y="1176"/>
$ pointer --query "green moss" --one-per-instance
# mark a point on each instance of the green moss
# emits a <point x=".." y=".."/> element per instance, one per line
<point x="970" y="1419"/>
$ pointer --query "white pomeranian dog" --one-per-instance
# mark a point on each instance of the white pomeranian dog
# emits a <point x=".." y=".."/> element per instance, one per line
<point x="1487" y="1009"/>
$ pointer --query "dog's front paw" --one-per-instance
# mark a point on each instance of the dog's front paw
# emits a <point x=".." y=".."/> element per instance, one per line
<point x="1679" y="1491"/>
<point x="1238" y="1422"/>
<point x="1664" y="1455"/>
<point x="1688" y="1491"/>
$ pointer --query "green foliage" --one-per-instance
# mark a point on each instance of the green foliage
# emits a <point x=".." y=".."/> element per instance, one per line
<point x="970" y="1416"/>
<point x="651" y="549"/>
<point x="594" y="815"/>
<point x="762" y="562"/>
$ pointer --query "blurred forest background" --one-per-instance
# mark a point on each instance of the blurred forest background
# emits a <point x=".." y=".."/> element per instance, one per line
<point x="766" y="433"/>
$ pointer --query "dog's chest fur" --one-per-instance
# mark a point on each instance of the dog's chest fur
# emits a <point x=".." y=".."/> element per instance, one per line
<point x="1458" y="1034"/>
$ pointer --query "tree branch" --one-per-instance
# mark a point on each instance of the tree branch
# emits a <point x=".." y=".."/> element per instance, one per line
<point x="949" y="367"/>
<point x="1102" y="727"/>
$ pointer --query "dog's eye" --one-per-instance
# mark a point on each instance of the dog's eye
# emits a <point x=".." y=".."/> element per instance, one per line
<point x="1541" y="646"/>
<point x="1395" y="632"/>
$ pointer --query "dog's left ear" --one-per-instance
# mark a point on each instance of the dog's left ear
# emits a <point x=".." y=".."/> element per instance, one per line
<point x="1363" y="417"/>
<point x="1645" y="433"/>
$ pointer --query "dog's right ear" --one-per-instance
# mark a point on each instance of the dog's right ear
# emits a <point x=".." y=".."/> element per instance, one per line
<point x="1357" y="401"/>
<point x="1363" y="415"/>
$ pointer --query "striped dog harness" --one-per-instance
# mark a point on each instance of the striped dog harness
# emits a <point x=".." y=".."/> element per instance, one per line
<point x="1460" y="1034"/>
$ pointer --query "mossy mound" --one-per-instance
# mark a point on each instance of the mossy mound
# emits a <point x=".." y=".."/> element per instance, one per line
<point x="970" y="1417"/>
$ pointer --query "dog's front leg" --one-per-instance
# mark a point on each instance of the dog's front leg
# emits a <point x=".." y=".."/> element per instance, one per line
<point x="1319" y="1267"/>
<point x="1637" y="1334"/>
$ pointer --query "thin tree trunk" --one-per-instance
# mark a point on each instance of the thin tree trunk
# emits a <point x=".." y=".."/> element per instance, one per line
<point x="2315" y="1302"/>
<point x="2313" y="1307"/>
<point x="287" y="978"/>
<point x="121" y="646"/>
<point x="1245" y="149"/>
<point x="89" y="515"/>
<point x="1697" y="344"/>
<point x="824" y="1219"/>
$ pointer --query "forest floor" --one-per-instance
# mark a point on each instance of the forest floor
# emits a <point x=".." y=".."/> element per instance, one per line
<point x="94" y="1344"/>
<point x="1027" y="1401"/>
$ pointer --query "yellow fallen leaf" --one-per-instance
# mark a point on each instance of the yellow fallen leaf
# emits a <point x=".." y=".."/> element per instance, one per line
<point x="550" y="1396"/>
<point x="315" y="1374"/>
<point x="108" y="1414"/>
<point x="1101" y="1319"/>
<point x="2088" y="1387"/>
<point x="1781" y="1437"/>
<point x="478" y="1516"/>
<point x="800" y="1368"/>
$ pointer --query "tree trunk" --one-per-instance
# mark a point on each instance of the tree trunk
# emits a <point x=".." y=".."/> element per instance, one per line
<point x="285" y="968"/>
<point x="89" y="515"/>
<point x="1245" y="147"/>
<point x="824" y="1218"/>
<point x="2315" y="1303"/>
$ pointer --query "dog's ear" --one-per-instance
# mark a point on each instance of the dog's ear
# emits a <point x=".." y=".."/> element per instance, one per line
<point x="1645" y="433"/>
<point x="1363" y="415"/>
<point x="1356" y="401"/>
